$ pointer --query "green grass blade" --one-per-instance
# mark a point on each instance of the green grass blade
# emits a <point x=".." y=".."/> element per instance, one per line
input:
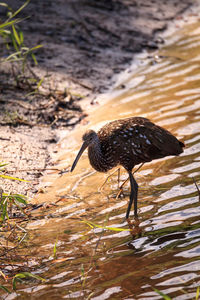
<point x="2" y="286"/>
<point x="24" y="275"/>
<point x="21" y="7"/>
<point x="21" y="37"/>
<point x="15" y="44"/>
<point x="17" y="198"/>
<point x="87" y="223"/>
<point x="40" y="83"/>
<point x="13" y="55"/>
<point x="34" y="59"/>
<point x="4" y="211"/>
<point x="3" y="164"/>
<point x="5" y="32"/>
<point x="16" y="36"/>
<point x="93" y="225"/>
<point x="13" y="178"/>
<point x="165" y="297"/>
<point x="197" y="294"/>
<point x="36" y="47"/>
<point x="55" y="249"/>
<point x="10" y="23"/>
<point x="3" y="4"/>
<point x="20" y="198"/>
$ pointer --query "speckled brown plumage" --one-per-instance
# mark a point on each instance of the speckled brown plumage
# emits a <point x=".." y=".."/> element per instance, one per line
<point x="128" y="142"/>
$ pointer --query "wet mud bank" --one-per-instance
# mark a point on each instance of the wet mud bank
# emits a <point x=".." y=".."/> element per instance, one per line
<point x="84" y="43"/>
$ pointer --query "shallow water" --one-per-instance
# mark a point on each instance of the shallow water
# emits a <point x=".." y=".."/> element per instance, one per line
<point x="97" y="263"/>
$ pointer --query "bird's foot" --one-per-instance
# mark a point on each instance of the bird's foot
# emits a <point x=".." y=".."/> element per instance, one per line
<point x="136" y="222"/>
<point x="134" y="227"/>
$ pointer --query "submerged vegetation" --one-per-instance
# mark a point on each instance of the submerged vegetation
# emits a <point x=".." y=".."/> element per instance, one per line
<point x="166" y="297"/>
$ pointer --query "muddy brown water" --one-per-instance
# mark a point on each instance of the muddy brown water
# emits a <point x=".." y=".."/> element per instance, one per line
<point x="98" y="263"/>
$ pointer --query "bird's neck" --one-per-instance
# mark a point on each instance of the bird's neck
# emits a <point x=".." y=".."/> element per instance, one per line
<point x="96" y="157"/>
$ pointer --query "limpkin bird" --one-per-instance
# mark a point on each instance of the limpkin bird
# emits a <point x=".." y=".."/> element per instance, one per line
<point x="128" y="142"/>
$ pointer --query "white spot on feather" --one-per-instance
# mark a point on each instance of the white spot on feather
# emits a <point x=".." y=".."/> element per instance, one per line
<point x="148" y="142"/>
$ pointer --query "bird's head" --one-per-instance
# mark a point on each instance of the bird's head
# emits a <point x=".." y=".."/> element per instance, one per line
<point x="88" y="138"/>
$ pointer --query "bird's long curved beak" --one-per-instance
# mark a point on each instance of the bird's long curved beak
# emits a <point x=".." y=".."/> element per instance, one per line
<point x="83" y="147"/>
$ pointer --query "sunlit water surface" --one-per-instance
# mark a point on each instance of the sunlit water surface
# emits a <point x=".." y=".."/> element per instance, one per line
<point x="95" y="263"/>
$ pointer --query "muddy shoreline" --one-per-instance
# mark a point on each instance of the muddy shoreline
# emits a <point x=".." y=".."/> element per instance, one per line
<point x="84" y="45"/>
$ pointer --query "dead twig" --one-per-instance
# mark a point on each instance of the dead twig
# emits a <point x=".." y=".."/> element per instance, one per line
<point x="196" y="187"/>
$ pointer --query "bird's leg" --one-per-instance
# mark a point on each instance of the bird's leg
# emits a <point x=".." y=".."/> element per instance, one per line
<point x="133" y="196"/>
<point x="121" y="186"/>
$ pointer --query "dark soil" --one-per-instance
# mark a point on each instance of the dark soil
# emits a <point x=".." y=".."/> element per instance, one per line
<point x="84" y="44"/>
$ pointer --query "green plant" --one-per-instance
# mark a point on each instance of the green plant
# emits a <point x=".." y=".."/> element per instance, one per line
<point x="18" y="52"/>
<point x="5" y="289"/>
<point x="165" y="297"/>
<point x="19" y="277"/>
<point x="24" y="275"/>
<point x="2" y="165"/>
<point x="55" y="249"/>
<point x="7" y="200"/>
<point x="93" y="225"/>
<point x="11" y="33"/>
